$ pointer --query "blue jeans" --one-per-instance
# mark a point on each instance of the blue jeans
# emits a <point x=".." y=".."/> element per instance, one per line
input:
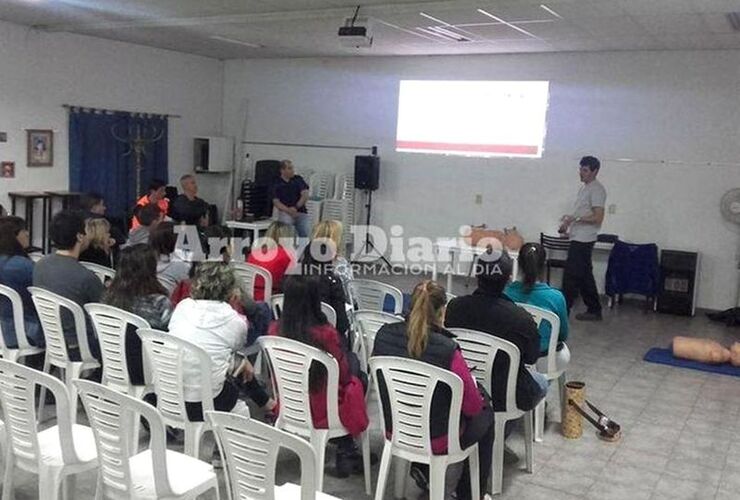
<point x="300" y="222"/>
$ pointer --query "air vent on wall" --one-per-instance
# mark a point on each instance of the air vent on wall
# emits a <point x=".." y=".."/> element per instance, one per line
<point x="734" y="18"/>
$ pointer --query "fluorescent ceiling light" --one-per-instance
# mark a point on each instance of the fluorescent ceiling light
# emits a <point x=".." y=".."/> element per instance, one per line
<point x="548" y="9"/>
<point x="448" y="25"/>
<point x="512" y="26"/>
<point x="237" y="42"/>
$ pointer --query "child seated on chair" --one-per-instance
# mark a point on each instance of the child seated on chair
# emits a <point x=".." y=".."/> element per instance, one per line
<point x="303" y="320"/>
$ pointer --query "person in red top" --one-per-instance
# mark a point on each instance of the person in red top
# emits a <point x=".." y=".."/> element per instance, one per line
<point x="275" y="258"/>
<point x="303" y="320"/>
<point x="156" y="195"/>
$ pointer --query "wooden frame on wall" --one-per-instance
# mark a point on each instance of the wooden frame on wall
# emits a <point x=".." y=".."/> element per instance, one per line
<point x="40" y="148"/>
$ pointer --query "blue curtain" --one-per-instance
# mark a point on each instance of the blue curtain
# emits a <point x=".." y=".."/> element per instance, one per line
<point x="99" y="162"/>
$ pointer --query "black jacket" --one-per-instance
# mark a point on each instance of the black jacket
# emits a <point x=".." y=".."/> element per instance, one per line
<point x="500" y="316"/>
<point x="391" y="340"/>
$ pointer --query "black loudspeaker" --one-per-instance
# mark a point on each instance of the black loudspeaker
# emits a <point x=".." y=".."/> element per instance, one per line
<point x="678" y="279"/>
<point x="367" y="172"/>
<point x="266" y="172"/>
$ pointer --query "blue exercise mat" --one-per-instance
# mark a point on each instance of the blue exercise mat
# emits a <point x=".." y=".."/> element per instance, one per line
<point x="665" y="357"/>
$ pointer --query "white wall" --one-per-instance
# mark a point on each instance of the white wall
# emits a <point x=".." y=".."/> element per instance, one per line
<point x="641" y="105"/>
<point x="41" y="71"/>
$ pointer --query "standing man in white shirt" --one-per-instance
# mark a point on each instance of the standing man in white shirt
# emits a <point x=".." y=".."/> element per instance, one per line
<point x="584" y="224"/>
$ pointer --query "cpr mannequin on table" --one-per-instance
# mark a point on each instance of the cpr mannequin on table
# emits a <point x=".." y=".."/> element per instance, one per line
<point x="706" y="351"/>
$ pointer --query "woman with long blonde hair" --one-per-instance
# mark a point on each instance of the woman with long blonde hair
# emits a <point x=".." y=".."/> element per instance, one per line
<point x="423" y="337"/>
<point x="333" y="230"/>
<point x="99" y="250"/>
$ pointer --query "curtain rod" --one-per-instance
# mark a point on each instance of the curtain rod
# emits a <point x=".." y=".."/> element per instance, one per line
<point x="323" y="146"/>
<point x="70" y="106"/>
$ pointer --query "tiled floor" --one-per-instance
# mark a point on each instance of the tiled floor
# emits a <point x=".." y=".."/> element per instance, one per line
<point x="681" y="427"/>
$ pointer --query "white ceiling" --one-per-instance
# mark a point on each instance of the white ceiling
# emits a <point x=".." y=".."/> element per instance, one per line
<point x="293" y="28"/>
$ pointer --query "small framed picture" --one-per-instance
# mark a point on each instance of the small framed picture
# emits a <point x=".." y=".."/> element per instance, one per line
<point x="40" y="148"/>
<point x="3" y="137"/>
<point x="7" y="169"/>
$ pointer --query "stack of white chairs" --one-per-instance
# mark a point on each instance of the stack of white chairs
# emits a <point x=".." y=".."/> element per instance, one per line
<point x="290" y="362"/>
<point x="410" y="385"/>
<point x="154" y="473"/>
<point x="314" y="209"/>
<point x="55" y="454"/>
<point x="321" y="185"/>
<point x="250" y="450"/>
<point x="548" y="366"/>
<point x="49" y="307"/>
<point x="345" y="190"/>
<point x="24" y="348"/>
<point x="479" y="350"/>
<point x="103" y="273"/>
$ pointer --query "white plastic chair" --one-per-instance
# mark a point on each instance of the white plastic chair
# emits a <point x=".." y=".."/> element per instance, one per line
<point x="547" y="366"/>
<point x="103" y="273"/>
<point x="367" y="325"/>
<point x="290" y="361"/>
<point x="344" y="189"/>
<point x="24" y="347"/>
<point x="154" y="473"/>
<point x="110" y="325"/>
<point x="167" y="355"/>
<point x="250" y="452"/>
<point x="276" y="302"/>
<point x="370" y="294"/>
<point x="246" y="274"/>
<point x="479" y="350"/>
<point x="410" y="386"/>
<point x="49" y="308"/>
<point x="56" y="453"/>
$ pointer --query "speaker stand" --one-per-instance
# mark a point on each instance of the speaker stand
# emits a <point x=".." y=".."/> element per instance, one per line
<point x="368" y="247"/>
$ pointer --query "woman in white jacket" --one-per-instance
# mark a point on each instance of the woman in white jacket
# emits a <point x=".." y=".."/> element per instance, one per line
<point x="207" y="320"/>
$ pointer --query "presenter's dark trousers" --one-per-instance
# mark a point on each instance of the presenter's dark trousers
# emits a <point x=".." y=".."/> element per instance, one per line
<point x="578" y="277"/>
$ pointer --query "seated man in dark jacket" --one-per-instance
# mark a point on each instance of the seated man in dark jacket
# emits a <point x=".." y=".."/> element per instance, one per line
<point x="489" y="310"/>
<point x="187" y="208"/>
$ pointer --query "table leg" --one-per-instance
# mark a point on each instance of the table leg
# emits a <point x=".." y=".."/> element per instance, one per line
<point x="29" y="218"/>
<point x="44" y="224"/>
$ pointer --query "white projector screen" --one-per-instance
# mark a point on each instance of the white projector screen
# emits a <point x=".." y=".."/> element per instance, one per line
<point x="472" y="118"/>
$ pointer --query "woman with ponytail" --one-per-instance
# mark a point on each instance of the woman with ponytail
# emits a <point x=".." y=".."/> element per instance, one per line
<point x="422" y="337"/>
<point x="534" y="291"/>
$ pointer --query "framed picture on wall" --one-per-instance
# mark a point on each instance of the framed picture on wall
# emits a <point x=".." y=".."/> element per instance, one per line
<point x="40" y="148"/>
<point x="7" y="169"/>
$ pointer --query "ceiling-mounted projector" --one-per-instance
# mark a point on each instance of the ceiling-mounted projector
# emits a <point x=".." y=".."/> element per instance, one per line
<point x="356" y="33"/>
